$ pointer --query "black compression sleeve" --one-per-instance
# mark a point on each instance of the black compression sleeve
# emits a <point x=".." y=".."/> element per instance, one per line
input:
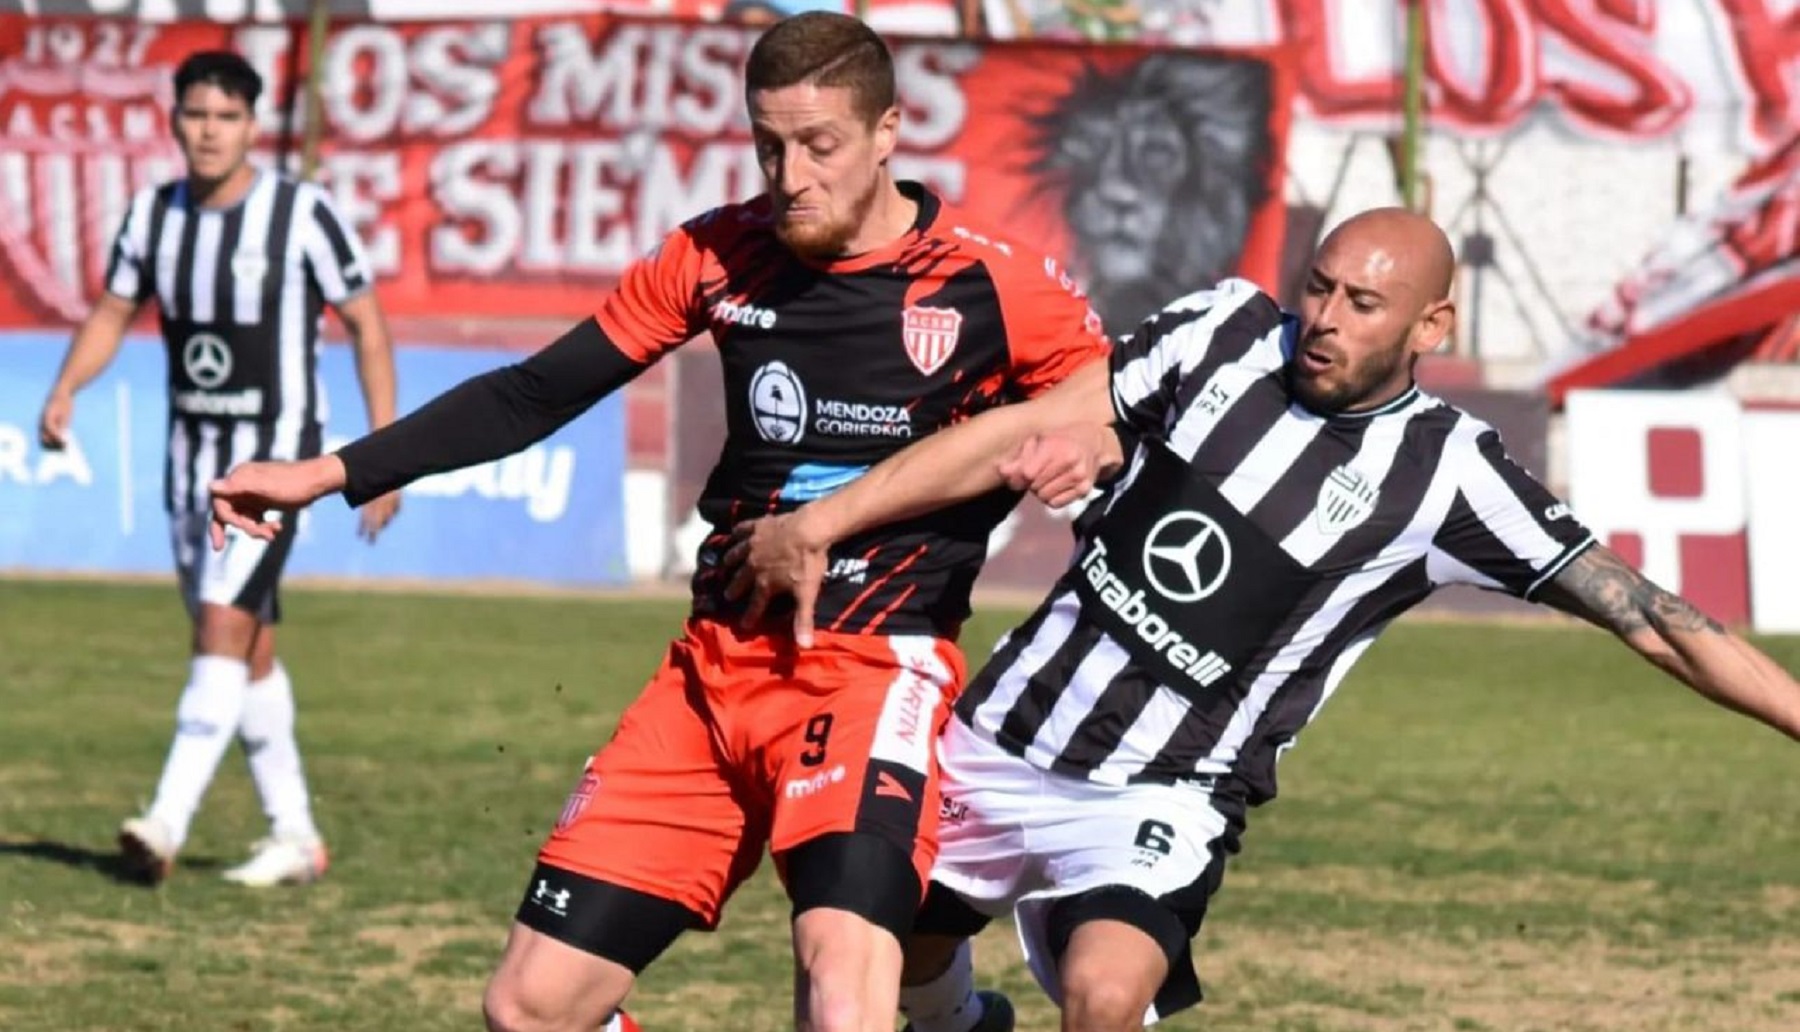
<point x="489" y="416"/>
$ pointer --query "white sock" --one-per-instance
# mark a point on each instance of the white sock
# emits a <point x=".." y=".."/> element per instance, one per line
<point x="948" y="1002"/>
<point x="208" y="713"/>
<point x="267" y="731"/>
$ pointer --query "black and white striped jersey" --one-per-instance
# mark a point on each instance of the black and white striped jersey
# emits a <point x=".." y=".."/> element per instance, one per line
<point x="1248" y="555"/>
<point x="242" y="292"/>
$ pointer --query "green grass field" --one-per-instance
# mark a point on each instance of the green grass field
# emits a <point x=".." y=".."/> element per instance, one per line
<point x="1491" y="828"/>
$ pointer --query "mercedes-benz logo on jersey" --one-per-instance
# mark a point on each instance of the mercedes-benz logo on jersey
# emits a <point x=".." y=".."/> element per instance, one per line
<point x="1187" y="556"/>
<point x="778" y="404"/>
<point x="207" y="359"/>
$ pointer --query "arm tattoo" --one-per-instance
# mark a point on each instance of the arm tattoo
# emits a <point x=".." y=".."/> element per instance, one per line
<point x="1600" y="587"/>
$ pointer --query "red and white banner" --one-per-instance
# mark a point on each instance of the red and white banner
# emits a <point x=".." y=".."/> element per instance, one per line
<point x="514" y="168"/>
<point x="1698" y="492"/>
<point x="1623" y="69"/>
<point x="1716" y="72"/>
<point x="1720" y="286"/>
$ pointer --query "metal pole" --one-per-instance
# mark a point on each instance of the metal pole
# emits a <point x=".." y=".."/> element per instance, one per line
<point x="1413" y="104"/>
<point x="316" y="30"/>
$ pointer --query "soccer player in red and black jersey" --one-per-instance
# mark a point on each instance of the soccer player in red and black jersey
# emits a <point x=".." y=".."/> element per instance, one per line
<point x="853" y="314"/>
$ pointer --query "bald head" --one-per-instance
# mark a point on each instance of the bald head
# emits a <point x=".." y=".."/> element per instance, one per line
<point x="1377" y="297"/>
<point x="1403" y="247"/>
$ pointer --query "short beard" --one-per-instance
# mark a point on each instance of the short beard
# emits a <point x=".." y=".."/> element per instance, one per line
<point x="1346" y="395"/>
<point x="824" y="243"/>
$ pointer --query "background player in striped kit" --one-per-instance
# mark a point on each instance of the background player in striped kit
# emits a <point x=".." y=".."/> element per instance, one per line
<point x="1291" y="493"/>
<point x="240" y="261"/>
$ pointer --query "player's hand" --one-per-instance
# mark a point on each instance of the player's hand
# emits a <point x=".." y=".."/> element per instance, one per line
<point x="53" y="424"/>
<point x="246" y="497"/>
<point x="775" y="556"/>
<point x="1059" y="467"/>
<point x="375" y="516"/>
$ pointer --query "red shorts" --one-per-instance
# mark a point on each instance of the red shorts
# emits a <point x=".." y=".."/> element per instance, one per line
<point x="741" y="740"/>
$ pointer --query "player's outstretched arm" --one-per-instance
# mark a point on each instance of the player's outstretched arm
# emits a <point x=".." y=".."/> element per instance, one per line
<point x="1670" y="632"/>
<point x="1062" y="466"/>
<point x="490" y="416"/>
<point x="966" y="460"/>
<point x="1024" y="445"/>
<point x="481" y="419"/>
<point x="253" y="496"/>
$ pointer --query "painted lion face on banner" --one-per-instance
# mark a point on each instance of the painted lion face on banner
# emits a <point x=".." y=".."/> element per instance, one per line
<point x="1159" y="167"/>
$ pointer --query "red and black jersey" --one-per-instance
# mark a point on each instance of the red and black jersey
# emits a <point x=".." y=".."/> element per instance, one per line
<point x="831" y="367"/>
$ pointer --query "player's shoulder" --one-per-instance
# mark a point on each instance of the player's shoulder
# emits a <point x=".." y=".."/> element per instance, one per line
<point x="169" y="191"/>
<point x="1464" y="433"/>
<point x="717" y="229"/>
<point x="1228" y="296"/>
<point x="307" y="194"/>
<point x="1029" y="283"/>
<point x="960" y="233"/>
<point x="1032" y="288"/>
<point x="1231" y="307"/>
<point x="141" y="214"/>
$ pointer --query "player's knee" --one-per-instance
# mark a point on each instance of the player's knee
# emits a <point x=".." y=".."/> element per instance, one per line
<point x="1114" y="947"/>
<point x="506" y="1008"/>
<point x="837" y="948"/>
<point x="1096" y="999"/>
<point x="840" y="1009"/>
<point x="542" y="987"/>
<point x="224" y="631"/>
<point x="512" y="1004"/>
<point x="835" y="999"/>
<point x="840" y="1001"/>
<point x="842" y="958"/>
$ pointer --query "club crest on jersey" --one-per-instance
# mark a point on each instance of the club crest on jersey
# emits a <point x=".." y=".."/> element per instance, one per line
<point x="1346" y="498"/>
<point x="930" y="335"/>
<point x="249" y="265"/>
<point x="578" y="799"/>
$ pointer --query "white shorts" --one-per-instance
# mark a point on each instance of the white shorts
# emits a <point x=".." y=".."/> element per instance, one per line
<point x="1017" y="837"/>
<point x="245" y="575"/>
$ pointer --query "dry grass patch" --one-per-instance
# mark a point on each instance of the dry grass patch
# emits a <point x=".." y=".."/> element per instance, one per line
<point x="1346" y="980"/>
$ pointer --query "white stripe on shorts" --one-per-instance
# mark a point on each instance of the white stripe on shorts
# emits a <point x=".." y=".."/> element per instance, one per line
<point x="208" y="576"/>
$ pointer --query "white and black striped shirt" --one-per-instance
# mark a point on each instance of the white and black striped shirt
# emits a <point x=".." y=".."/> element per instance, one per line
<point x="242" y="292"/>
<point x="1248" y="555"/>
